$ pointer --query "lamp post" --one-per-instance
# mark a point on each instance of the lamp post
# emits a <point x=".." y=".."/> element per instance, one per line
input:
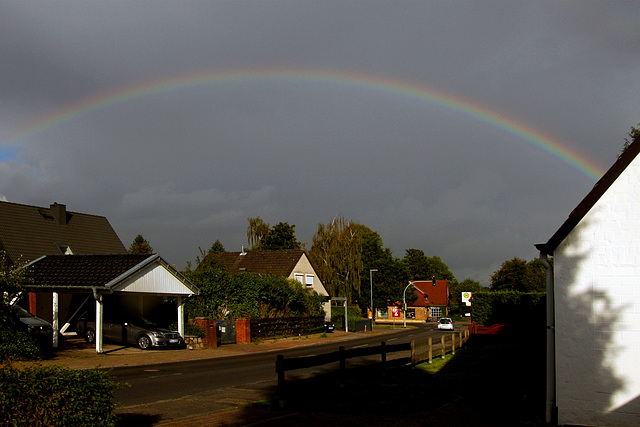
<point x="404" y="299"/>
<point x="371" y="284"/>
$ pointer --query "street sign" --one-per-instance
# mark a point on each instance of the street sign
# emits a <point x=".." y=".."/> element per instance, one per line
<point x="466" y="297"/>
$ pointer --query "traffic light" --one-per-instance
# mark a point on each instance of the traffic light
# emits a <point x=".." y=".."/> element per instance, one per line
<point x="433" y="280"/>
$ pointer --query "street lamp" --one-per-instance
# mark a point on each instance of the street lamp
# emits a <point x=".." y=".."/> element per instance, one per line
<point x="371" y="283"/>
<point x="404" y="299"/>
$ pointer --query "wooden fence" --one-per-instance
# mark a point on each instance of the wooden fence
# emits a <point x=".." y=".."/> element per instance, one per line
<point x="420" y="351"/>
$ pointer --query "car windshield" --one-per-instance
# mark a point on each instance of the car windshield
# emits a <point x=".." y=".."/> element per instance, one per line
<point x="21" y="312"/>
<point x="445" y="320"/>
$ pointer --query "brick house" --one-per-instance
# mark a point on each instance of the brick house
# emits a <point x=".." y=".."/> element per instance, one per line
<point x="292" y="264"/>
<point x="593" y="311"/>
<point x="432" y="303"/>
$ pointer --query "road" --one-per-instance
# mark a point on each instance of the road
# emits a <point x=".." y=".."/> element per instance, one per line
<point x="171" y="391"/>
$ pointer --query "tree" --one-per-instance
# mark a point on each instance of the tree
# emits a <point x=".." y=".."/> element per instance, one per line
<point x="336" y="254"/>
<point x="519" y="275"/>
<point x="140" y="246"/>
<point x="632" y="135"/>
<point x="13" y="277"/>
<point x="281" y="236"/>
<point x="256" y="231"/>
<point x="456" y="290"/>
<point x="216" y="248"/>
<point x="390" y="279"/>
<point x="422" y="267"/>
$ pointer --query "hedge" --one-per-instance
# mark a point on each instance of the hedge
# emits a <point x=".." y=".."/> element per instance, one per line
<point x="55" y="396"/>
<point x="16" y="345"/>
<point x="514" y="308"/>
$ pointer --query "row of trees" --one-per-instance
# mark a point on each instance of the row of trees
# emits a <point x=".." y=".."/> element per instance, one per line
<point x="344" y="252"/>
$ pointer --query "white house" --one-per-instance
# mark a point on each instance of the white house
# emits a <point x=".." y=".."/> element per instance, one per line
<point x="593" y="304"/>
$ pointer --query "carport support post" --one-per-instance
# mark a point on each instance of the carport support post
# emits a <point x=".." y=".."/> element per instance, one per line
<point x="56" y="323"/>
<point x="98" y="299"/>
<point x="180" y="316"/>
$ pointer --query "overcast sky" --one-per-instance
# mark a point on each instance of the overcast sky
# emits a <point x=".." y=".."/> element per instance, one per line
<point x="179" y="120"/>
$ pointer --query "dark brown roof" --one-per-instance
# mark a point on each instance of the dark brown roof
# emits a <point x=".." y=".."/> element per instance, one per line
<point x="279" y="263"/>
<point x="32" y="231"/>
<point x="591" y="199"/>
<point x="81" y="271"/>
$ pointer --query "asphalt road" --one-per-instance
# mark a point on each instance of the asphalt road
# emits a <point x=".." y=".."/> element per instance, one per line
<point x="172" y="391"/>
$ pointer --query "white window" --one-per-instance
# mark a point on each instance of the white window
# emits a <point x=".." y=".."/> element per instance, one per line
<point x="309" y="279"/>
<point x="436" y="312"/>
<point x="299" y="277"/>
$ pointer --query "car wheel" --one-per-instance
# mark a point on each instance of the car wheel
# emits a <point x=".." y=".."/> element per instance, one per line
<point x="144" y="342"/>
<point x="90" y="336"/>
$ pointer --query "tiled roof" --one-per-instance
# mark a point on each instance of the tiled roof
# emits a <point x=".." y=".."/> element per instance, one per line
<point x="279" y="263"/>
<point x="437" y="295"/>
<point x="32" y="231"/>
<point x="81" y="271"/>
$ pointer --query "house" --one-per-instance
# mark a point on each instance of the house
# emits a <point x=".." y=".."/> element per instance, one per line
<point x="292" y="264"/>
<point x="593" y="314"/>
<point x="29" y="232"/>
<point x="432" y="302"/>
<point x="76" y="260"/>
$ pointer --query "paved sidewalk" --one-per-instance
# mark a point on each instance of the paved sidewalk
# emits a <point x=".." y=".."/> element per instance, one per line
<point x="76" y="354"/>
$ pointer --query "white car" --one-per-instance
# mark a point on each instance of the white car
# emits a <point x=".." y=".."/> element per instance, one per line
<point x="445" y="323"/>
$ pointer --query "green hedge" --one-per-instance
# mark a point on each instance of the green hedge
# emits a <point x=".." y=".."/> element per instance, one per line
<point x="513" y="308"/>
<point x="55" y="396"/>
<point x="16" y="345"/>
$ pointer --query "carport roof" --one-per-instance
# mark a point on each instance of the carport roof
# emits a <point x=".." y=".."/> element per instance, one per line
<point x="106" y="272"/>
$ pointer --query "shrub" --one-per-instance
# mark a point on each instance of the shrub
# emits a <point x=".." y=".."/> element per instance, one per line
<point x="55" y="396"/>
<point x="514" y="308"/>
<point x="16" y="345"/>
<point x="353" y="315"/>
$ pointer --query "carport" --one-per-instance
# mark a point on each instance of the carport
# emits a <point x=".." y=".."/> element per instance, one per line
<point x="99" y="275"/>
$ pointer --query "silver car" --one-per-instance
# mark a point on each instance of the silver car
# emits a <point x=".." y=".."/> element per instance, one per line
<point x="445" y="323"/>
<point x="135" y="331"/>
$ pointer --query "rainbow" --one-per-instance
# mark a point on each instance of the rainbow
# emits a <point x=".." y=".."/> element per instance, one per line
<point x="331" y="78"/>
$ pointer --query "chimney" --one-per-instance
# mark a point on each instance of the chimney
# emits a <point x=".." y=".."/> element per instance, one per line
<point x="59" y="212"/>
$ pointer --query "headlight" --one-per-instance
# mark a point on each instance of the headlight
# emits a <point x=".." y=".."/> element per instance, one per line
<point x="157" y="334"/>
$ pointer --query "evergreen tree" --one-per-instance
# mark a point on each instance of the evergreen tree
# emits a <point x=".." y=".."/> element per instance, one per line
<point x="140" y="246"/>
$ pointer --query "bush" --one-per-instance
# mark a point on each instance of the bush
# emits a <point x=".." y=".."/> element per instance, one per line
<point x="353" y="315"/>
<point x="514" y="308"/>
<point x="55" y="396"/>
<point x="235" y="296"/>
<point x="16" y="345"/>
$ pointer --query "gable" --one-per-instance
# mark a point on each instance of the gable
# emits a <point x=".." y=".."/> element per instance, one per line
<point x="436" y="295"/>
<point x="599" y="189"/>
<point x="31" y="232"/>
<point x="113" y="273"/>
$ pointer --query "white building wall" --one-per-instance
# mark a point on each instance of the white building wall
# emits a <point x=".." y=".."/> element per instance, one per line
<point x="304" y="267"/>
<point x="597" y="285"/>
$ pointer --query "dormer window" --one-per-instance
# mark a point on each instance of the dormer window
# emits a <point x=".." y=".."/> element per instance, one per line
<point x="65" y="249"/>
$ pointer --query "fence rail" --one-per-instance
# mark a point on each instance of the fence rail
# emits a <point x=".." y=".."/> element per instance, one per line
<point x="421" y="350"/>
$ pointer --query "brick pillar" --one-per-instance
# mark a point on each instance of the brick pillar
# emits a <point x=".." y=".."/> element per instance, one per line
<point x="243" y="331"/>
<point x="32" y="304"/>
<point x="210" y="331"/>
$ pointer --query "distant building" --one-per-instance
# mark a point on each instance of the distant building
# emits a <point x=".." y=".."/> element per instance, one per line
<point x="431" y="304"/>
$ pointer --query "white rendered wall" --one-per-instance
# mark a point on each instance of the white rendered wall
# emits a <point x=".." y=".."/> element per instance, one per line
<point x="597" y="286"/>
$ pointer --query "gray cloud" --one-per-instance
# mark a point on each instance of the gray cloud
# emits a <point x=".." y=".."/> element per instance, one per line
<point x="185" y="167"/>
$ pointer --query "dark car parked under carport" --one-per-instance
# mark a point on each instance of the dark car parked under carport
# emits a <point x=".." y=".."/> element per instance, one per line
<point x="134" y="330"/>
